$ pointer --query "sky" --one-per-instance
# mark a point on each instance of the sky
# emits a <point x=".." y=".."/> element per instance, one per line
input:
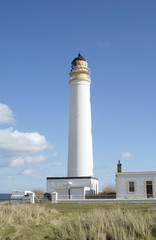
<point x="38" y="41"/>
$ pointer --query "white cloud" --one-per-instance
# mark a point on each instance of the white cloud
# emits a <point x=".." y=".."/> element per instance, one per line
<point x="15" y="141"/>
<point x="16" y="148"/>
<point x="55" y="154"/>
<point x="126" y="155"/>
<point x="122" y="155"/>
<point x="37" y="159"/>
<point x="28" y="160"/>
<point x="6" y="115"/>
<point x="58" y="164"/>
<point x="28" y="172"/>
<point x="17" y="162"/>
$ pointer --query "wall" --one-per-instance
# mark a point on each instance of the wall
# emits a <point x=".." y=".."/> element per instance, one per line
<point x="140" y="178"/>
<point x="55" y="185"/>
<point x="20" y="196"/>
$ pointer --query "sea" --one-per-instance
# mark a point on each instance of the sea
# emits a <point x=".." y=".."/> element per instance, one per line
<point x="5" y="197"/>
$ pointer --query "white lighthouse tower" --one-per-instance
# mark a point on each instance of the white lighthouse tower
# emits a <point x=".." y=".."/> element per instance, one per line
<point x="80" y="152"/>
<point x="80" y="180"/>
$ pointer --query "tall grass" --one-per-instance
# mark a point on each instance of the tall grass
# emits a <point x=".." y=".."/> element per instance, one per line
<point x="110" y="225"/>
<point x="26" y="222"/>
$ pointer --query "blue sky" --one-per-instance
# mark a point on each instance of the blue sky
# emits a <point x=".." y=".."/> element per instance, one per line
<point x="38" y="41"/>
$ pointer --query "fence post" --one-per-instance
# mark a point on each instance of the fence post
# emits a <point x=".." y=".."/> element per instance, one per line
<point x="54" y="197"/>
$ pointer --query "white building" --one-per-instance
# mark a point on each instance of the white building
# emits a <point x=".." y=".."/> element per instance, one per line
<point x="80" y="180"/>
<point x="20" y="196"/>
<point x="72" y="188"/>
<point x="135" y="185"/>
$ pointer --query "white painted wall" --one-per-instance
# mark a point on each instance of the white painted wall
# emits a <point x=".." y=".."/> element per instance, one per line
<point x="62" y="193"/>
<point x="77" y="193"/>
<point x="80" y="151"/>
<point x="140" y="178"/>
<point x="69" y="193"/>
<point x="20" y="196"/>
<point x="60" y="185"/>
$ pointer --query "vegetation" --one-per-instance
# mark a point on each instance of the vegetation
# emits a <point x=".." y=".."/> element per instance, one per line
<point x="82" y="207"/>
<point x="38" y="192"/>
<point x="43" y="221"/>
<point x="109" y="190"/>
<point x="109" y="225"/>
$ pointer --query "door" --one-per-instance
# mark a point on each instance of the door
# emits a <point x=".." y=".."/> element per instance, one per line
<point x="149" y="189"/>
<point x="69" y="193"/>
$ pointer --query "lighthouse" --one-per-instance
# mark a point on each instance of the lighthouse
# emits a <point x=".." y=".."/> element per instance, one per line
<point x="80" y="180"/>
<point x="80" y="151"/>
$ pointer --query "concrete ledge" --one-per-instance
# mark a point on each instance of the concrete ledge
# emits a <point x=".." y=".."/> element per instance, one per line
<point x="153" y="200"/>
<point x="57" y="178"/>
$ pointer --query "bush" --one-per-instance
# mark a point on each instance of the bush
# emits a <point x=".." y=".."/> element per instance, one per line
<point x="109" y="190"/>
<point x="38" y="192"/>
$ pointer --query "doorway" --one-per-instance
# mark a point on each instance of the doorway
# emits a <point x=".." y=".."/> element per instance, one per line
<point x="149" y="189"/>
<point x="68" y="193"/>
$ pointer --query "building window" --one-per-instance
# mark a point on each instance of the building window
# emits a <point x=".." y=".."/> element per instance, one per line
<point x="149" y="189"/>
<point x="131" y="187"/>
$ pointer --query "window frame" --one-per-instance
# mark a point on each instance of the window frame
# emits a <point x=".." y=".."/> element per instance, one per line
<point x="131" y="189"/>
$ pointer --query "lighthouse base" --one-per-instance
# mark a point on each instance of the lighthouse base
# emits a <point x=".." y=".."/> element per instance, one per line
<point x="72" y="187"/>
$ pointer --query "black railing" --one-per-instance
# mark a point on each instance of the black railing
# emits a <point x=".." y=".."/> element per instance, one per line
<point x="102" y="196"/>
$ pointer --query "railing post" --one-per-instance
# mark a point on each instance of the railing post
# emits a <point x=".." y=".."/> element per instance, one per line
<point x="54" y="197"/>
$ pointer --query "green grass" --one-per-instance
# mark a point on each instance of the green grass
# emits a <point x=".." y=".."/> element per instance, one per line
<point x="77" y="221"/>
<point x="95" y="206"/>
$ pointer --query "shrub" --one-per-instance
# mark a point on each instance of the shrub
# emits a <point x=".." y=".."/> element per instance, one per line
<point x="108" y="190"/>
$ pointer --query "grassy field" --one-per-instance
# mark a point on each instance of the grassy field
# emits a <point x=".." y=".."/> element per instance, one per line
<point x="78" y="221"/>
<point x="92" y="206"/>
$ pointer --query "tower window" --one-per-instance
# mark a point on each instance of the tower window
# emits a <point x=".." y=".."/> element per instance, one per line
<point x="131" y="187"/>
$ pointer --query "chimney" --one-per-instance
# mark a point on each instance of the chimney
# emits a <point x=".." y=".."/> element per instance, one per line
<point x="119" y="167"/>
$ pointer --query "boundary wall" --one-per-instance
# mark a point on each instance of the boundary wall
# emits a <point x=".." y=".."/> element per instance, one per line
<point x="153" y="200"/>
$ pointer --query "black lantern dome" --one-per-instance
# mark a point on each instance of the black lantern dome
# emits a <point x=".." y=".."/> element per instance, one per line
<point x="78" y="58"/>
<point x="74" y="62"/>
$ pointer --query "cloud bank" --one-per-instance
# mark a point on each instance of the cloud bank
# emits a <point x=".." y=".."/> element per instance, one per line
<point x="20" y="142"/>
<point x="17" y="148"/>
<point x="27" y="160"/>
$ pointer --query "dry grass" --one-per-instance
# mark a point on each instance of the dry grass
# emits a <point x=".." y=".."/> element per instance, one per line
<point x="110" y="225"/>
<point x="28" y="222"/>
